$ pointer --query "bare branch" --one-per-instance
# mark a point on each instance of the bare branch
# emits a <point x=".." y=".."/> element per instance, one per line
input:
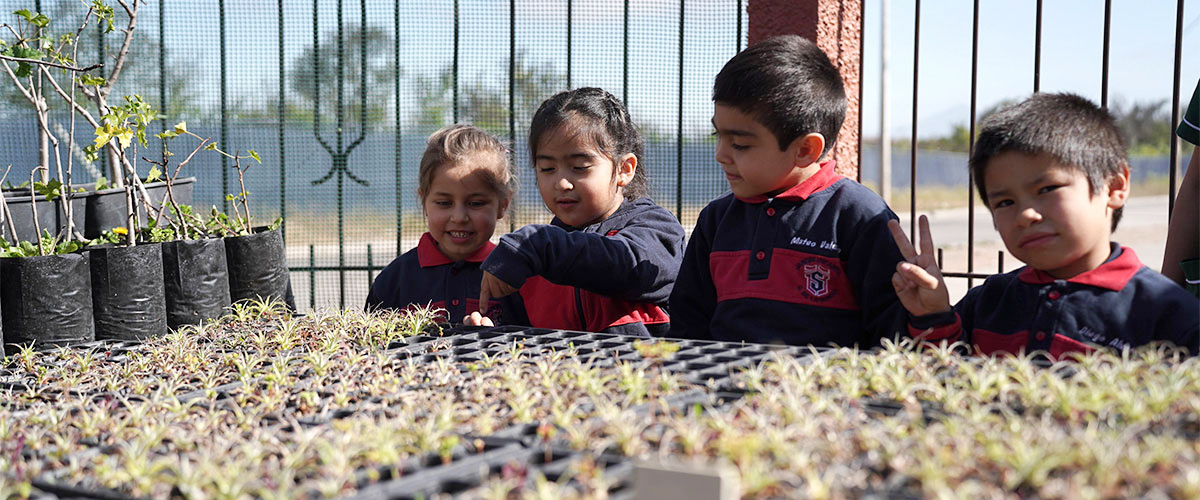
<point x="189" y="157"/>
<point x="80" y="109"/>
<point x="16" y="80"/>
<point x="37" y="225"/>
<point x="51" y="64"/>
<point x="120" y="63"/>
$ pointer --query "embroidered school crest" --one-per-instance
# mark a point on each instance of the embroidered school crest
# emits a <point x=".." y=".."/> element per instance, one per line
<point x="816" y="280"/>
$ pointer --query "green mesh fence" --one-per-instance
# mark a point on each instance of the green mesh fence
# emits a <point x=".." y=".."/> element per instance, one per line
<point x="337" y="97"/>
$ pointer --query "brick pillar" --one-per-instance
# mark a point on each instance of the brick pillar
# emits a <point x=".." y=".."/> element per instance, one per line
<point x="836" y="27"/>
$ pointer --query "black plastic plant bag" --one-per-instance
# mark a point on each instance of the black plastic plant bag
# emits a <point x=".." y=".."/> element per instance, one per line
<point x="127" y="291"/>
<point x="22" y="216"/>
<point x="196" y="281"/>
<point x="106" y="208"/>
<point x="46" y="300"/>
<point x="258" y="267"/>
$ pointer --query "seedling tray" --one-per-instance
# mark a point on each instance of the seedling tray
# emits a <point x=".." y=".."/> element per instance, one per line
<point x="469" y="474"/>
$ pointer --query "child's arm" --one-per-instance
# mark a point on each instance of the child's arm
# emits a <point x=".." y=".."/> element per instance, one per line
<point x="1183" y="233"/>
<point x="638" y="263"/>
<point x="385" y="291"/>
<point x="695" y="297"/>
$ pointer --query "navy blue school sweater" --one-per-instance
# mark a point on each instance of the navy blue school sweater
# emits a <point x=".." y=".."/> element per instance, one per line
<point x="424" y="275"/>
<point x="611" y="276"/>
<point x="810" y="266"/>
<point x="1122" y="303"/>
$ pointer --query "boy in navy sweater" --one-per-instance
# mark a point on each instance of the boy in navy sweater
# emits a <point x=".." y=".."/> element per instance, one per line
<point x="1053" y="172"/>
<point x="796" y="253"/>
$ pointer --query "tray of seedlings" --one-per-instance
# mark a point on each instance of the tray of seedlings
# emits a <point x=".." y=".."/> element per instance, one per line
<point x="890" y="424"/>
<point x="261" y="403"/>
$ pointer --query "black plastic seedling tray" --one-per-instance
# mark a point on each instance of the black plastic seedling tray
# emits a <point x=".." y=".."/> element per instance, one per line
<point x="711" y="366"/>
<point x="470" y="473"/>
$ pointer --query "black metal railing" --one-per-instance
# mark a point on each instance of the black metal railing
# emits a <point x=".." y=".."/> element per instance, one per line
<point x="970" y="274"/>
<point x="343" y="139"/>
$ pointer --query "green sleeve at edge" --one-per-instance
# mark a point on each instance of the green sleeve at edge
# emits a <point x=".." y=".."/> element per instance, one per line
<point x="1189" y="127"/>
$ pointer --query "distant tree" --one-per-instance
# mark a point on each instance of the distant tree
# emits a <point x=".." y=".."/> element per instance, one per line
<point x="485" y="104"/>
<point x="1145" y="125"/>
<point x="322" y="81"/>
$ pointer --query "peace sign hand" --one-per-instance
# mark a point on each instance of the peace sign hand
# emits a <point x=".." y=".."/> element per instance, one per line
<point x="918" y="281"/>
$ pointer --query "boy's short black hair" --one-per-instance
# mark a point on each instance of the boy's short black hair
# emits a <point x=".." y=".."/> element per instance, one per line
<point x="789" y="85"/>
<point x="1066" y="127"/>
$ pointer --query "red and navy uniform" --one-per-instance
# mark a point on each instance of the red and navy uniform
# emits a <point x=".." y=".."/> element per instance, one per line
<point x="1122" y="303"/>
<point x="424" y="275"/>
<point x="612" y="276"/>
<point x="811" y="266"/>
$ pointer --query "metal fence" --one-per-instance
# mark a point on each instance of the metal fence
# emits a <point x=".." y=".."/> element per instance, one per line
<point x="337" y="96"/>
<point x="1172" y="167"/>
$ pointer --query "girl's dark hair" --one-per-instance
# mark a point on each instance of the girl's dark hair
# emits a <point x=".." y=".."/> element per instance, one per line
<point x="600" y="117"/>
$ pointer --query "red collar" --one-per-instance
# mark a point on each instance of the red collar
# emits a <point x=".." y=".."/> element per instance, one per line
<point x="429" y="255"/>
<point x="824" y="178"/>
<point x="1113" y="274"/>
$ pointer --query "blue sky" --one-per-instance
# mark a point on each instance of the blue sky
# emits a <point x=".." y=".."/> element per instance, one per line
<point x="1140" y="65"/>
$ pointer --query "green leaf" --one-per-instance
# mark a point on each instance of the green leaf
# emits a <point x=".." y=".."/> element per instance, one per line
<point x="71" y="246"/>
<point x="92" y="80"/>
<point x="91" y="152"/>
<point x="124" y="137"/>
<point x="229" y="197"/>
<point x="212" y="146"/>
<point x="23" y="69"/>
<point x="101" y="183"/>
<point x="104" y="12"/>
<point x="103" y="135"/>
<point x="25" y="52"/>
<point x="154" y="174"/>
<point x="48" y="189"/>
<point x="181" y="128"/>
<point x="254" y="155"/>
<point x="169" y="134"/>
<point x="34" y="18"/>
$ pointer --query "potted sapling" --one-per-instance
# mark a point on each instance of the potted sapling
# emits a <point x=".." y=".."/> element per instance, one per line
<point x="46" y="286"/>
<point x="255" y="255"/>
<point x="127" y="274"/>
<point x="195" y="273"/>
<point x="46" y="289"/>
<point x="34" y="58"/>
